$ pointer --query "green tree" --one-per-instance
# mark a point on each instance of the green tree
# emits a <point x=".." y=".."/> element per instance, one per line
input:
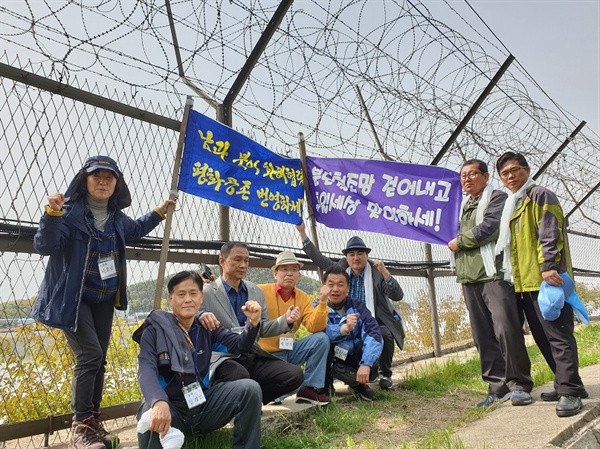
<point x="590" y="297"/>
<point x="452" y="317"/>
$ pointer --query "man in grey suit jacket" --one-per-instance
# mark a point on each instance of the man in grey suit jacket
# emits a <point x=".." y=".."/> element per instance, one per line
<point x="222" y="306"/>
<point x="374" y="290"/>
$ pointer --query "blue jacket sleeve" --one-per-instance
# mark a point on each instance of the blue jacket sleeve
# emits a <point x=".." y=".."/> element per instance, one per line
<point x="51" y="236"/>
<point x="370" y="333"/>
<point x="136" y="229"/>
<point x="334" y="324"/>
<point x="230" y="342"/>
<point x="148" y="369"/>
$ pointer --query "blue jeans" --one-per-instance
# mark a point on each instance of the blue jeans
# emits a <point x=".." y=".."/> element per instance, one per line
<point x="311" y="350"/>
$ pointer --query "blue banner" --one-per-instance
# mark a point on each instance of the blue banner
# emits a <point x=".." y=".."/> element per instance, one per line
<point x="226" y="167"/>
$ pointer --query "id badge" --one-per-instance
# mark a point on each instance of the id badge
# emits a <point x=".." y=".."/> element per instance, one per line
<point x="340" y="353"/>
<point x="107" y="268"/>
<point x="286" y="343"/>
<point x="193" y="394"/>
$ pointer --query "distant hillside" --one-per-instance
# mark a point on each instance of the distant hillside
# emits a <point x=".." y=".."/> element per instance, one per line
<point x="141" y="295"/>
<point x="17" y="311"/>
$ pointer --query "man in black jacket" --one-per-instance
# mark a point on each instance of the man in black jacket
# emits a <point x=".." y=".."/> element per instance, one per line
<point x="372" y="283"/>
<point x="174" y="371"/>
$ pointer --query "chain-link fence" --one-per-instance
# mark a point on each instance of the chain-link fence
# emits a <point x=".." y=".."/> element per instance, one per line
<point x="48" y="137"/>
<point x="48" y="131"/>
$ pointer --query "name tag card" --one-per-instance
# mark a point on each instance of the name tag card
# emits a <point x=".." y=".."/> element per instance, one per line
<point x="286" y="343"/>
<point x="340" y="353"/>
<point x="107" y="268"/>
<point x="194" y="396"/>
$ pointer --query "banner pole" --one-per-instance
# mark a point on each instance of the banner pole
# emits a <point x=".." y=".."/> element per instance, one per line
<point x="311" y="213"/>
<point x="173" y="194"/>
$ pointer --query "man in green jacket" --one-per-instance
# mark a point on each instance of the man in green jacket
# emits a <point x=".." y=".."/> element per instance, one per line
<point x="494" y="312"/>
<point x="534" y="240"/>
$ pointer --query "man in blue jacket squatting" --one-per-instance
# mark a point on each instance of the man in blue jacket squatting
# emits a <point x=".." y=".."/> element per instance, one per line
<point x="174" y="374"/>
<point x="356" y="341"/>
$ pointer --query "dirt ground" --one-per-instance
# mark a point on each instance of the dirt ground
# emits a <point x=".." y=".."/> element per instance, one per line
<point x="406" y="417"/>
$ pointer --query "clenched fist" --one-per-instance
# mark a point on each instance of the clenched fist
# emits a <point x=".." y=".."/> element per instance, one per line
<point x="56" y="201"/>
<point x="252" y="311"/>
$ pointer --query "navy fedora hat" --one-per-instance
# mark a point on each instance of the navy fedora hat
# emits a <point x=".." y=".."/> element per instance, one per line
<point x="356" y="244"/>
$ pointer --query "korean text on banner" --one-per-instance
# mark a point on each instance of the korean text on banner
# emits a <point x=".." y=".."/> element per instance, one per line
<point x="417" y="202"/>
<point x="224" y="166"/>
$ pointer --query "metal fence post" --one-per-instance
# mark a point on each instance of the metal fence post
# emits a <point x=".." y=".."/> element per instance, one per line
<point x="435" y="322"/>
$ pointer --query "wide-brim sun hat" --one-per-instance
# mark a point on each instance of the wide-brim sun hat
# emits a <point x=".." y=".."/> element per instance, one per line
<point x="286" y="258"/>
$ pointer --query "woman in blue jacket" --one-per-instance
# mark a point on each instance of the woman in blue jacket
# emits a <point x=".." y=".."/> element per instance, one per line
<point x="84" y="232"/>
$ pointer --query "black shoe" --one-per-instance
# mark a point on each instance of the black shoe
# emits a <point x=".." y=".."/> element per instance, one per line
<point x="520" y="397"/>
<point x="385" y="383"/>
<point x="364" y="392"/>
<point x="552" y="396"/>
<point x="568" y="406"/>
<point x="328" y="390"/>
<point x="492" y="397"/>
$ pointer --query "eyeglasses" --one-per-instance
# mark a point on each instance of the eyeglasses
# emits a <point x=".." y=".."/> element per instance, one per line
<point x="288" y="270"/>
<point x="470" y="175"/>
<point x="511" y="171"/>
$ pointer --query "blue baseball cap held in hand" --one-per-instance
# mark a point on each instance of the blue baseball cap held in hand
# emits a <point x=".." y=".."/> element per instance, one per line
<point x="551" y="300"/>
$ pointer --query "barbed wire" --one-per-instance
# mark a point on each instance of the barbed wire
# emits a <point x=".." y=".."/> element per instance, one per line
<point x="419" y="76"/>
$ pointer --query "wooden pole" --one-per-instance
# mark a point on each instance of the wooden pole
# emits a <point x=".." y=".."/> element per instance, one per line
<point x="309" y="205"/>
<point x="173" y="193"/>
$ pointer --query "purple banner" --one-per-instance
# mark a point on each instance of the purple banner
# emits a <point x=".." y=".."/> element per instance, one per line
<point x="417" y="202"/>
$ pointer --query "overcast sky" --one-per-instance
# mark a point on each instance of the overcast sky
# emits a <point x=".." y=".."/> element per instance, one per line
<point x="558" y="43"/>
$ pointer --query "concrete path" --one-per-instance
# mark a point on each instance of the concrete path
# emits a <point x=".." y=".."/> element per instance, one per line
<point x="536" y="426"/>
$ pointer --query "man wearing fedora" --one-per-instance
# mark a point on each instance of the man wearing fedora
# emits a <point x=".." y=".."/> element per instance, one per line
<point x="371" y="283"/>
<point x="283" y="297"/>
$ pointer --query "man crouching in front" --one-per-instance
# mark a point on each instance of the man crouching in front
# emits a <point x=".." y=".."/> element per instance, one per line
<point x="174" y="372"/>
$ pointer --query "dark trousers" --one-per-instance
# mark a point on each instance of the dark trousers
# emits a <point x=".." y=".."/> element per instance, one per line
<point x="345" y="370"/>
<point x="496" y="325"/>
<point x="89" y="344"/>
<point x="387" y="354"/>
<point x="275" y="377"/>
<point x="238" y="400"/>
<point x="537" y="331"/>
<point x="558" y="336"/>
